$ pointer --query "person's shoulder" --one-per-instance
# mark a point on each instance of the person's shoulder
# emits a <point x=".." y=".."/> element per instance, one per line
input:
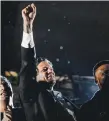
<point x="18" y="114"/>
<point x="90" y="104"/>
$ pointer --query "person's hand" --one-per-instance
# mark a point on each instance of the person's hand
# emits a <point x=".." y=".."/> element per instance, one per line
<point x="28" y="15"/>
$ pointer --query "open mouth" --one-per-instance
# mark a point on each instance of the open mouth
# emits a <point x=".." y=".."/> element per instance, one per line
<point x="50" y="76"/>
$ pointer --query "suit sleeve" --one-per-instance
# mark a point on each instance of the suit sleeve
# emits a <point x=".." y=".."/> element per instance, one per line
<point x="27" y="84"/>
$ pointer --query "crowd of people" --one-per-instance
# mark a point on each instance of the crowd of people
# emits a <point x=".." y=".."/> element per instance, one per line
<point x="36" y="82"/>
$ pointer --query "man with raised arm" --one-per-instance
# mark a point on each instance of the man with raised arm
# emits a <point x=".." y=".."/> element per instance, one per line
<point x="37" y="79"/>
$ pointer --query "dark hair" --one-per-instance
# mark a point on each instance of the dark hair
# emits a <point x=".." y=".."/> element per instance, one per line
<point x="99" y="64"/>
<point x="9" y="89"/>
<point x="40" y="59"/>
<point x="7" y="84"/>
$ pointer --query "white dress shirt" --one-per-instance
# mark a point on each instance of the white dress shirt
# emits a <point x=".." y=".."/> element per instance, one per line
<point x="27" y="39"/>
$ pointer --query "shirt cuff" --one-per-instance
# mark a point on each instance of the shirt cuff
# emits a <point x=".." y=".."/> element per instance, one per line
<point x="27" y="39"/>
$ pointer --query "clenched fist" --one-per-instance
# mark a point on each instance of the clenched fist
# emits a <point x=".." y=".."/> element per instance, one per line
<point x="28" y="15"/>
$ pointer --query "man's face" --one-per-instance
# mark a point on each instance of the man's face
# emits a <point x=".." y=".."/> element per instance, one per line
<point x="101" y="75"/>
<point x="3" y="90"/>
<point x="45" y="72"/>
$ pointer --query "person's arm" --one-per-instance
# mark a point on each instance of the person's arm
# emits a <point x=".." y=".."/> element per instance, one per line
<point x="28" y="56"/>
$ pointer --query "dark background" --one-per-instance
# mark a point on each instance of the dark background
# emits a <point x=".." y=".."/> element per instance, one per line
<point x="81" y="28"/>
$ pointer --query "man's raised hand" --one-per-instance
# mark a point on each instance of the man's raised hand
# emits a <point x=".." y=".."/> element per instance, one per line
<point x="28" y="15"/>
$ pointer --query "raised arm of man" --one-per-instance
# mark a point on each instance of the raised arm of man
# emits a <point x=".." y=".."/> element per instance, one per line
<point x="27" y="85"/>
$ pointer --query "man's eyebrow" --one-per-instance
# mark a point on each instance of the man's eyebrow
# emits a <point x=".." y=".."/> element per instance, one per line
<point x="44" y="66"/>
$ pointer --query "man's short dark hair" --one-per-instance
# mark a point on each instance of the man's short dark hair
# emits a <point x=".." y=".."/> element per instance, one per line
<point x="40" y="59"/>
<point x="99" y="64"/>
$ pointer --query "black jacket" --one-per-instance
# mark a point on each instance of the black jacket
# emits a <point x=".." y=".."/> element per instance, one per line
<point x="17" y="115"/>
<point x="97" y="109"/>
<point x="37" y="99"/>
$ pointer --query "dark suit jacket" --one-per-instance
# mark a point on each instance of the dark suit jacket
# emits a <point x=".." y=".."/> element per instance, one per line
<point x="96" y="109"/>
<point x="37" y="101"/>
